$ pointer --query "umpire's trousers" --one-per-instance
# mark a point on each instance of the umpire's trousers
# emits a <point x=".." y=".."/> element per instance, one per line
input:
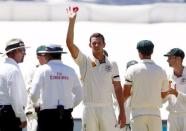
<point x="8" y="120"/>
<point x="50" y="120"/>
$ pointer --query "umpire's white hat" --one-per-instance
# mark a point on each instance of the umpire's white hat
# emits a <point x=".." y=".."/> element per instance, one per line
<point x="14" y="44"/>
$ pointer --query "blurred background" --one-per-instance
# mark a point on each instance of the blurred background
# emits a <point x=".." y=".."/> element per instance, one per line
<point x="122" y="22"/>
<point x="132" y="11"/>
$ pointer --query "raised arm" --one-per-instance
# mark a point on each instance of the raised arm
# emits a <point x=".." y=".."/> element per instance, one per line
<point x="72" y="11"/>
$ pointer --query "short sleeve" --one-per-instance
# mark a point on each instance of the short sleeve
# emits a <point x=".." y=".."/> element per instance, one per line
<point x="115" y="72"/>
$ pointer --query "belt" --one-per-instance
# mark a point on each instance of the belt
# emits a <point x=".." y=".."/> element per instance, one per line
<point x="98" y="104"/>
<point x="5" y="106"/>
<point x="66" y="110"/>
<point x="62" y="113"/>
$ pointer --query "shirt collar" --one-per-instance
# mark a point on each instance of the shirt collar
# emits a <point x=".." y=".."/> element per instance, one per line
<point x="146" y="61"/>
<point x="96" y="61"/>
<point x="183" y="73"/>
<point x="55" y="61"/>
<point x="10" y="60"/>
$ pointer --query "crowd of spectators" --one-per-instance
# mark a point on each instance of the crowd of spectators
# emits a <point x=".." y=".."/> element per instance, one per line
<point x="112" y="2"/>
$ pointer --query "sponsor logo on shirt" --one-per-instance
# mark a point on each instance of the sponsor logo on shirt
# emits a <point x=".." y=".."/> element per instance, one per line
<point x="183" y="81"/>
<point x="59" y="76"/>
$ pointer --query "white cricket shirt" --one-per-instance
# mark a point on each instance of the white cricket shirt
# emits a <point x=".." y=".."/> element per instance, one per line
<point x="178" y="104"/>
<point x="97" y="79"/>
<point x="148" y="80"/>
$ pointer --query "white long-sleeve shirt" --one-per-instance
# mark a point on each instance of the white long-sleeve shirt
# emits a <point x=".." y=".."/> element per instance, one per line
<point x="28" y="76"/>
<point x="12" y="87"/>
<point x="56" y="84"/>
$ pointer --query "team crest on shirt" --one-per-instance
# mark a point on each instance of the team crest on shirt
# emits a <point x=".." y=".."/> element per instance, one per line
<point x="183" y="81"/>
<point x="108" y="68"/>
<point x="93" y="64"/>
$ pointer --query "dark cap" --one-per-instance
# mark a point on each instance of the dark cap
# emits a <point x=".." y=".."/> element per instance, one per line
<point x="176" y="52"/>
<point x="40" y="49"/>
<point x="14" y="44"/>
<point x="130" y="63"/>
<point x="52" y="48"/>
<point x="145" y="47"/>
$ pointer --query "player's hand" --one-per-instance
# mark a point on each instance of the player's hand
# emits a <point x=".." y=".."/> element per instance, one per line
<point x="173" y="91"/>
<point x="23" y="124"/>
<point x="122" y="119"/>
<point x="72" y="11"/>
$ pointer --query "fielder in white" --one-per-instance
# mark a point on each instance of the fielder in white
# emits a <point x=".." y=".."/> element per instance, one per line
<point x="177" y="93"/>
<point x="145" y="82"/>
<point x="99" y="76"/>
<point x="127" y="103"/>
<point x="30" y="109"/>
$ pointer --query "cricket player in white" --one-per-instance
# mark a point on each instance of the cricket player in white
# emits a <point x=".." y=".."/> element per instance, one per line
<point x="177" y="93"/>
<point x="99" y="76"/>
<point x="31" y="109"/>
<point x="144" y="83"/>
<point x="127" y="103"/>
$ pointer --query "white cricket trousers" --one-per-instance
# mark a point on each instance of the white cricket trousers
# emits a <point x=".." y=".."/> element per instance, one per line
<point x="99" y="118"/>
<point x="176" y="122"/>
<point x="146" y="123"/>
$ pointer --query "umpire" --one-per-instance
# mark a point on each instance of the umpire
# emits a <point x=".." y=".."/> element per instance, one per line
<point x="58" y="88"/>
<point x="12" y="88"/>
